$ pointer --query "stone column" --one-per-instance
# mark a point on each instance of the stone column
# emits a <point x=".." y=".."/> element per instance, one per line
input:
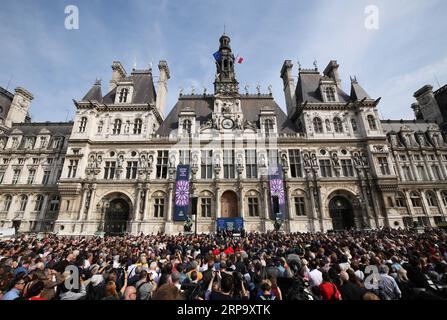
<point x="408" y="203"/>
<point x="82" y="208"/>
<point x="425" y="205"/>
<point x="266" y="200"/>
<point x="218" y="208"/>
<point x="146" y="203"/>
<point x="413" y="168"/>
<point x="441" y="207"/>
<point x="241" y="192"/>
<point x="430" y="174"/>
<point x="91" y="207"/>
<point x="136" y="209"/>
<point x="442" y="168"/>
<point x="169" y="215"/>
<point x="10" y="214"/>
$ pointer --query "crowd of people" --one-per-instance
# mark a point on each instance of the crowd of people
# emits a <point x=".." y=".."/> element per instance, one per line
<point x="371" y="265"/>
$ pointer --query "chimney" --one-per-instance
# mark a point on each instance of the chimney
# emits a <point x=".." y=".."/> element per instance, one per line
<point x="428" y="105"/>
<point x="118" y="74"/>
<point x="289" y="87"/>
<point x="331" y="71"/>
<point x="417" y="111"/>
<point x="162" y="87"/>
<point x="18" y="111"/>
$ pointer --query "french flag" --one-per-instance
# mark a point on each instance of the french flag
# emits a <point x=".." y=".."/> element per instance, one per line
<point x="239" y="59"/>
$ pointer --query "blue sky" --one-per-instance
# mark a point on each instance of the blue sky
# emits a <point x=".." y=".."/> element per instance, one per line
<point x="58" y="65"/>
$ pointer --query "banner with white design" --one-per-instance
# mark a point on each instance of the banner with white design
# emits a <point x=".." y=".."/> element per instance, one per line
<point x="182" y="193"/>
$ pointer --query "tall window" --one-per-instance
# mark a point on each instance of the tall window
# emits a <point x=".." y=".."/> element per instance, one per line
<point x="400" y="201"/>
<point x="39" y="203"/>
<point x="206" y="167"/>
<point x="228" y="164"/>
<point x="131" y="169"/>
<point x="330" y="94"/>
<point x="31" y="175"/>
<point x="72" y="168"/>
<point x="23" y="203"/>
<point x="431" y="199"/>
<point x="16" y="176"/>
<point x="295" y="164"/>
<point x="159" y="207"/>
<point x="354" y="125"/>
<point x="54" y="203"/>
<point x="318" y="125"/>
<point x="325" y="168"/>
<point x="123" y="95"/>
<point x="2" y="175"/>
<point x="137" y="126"/>
<point x="83" y="124"/>
<point x="187" y="126"/>
<point x="253" y="207"/>
<point x="46" y="177"/>
<point x="436" y="172"/>
<point x="407" y="173"/>
<point x="416" y="200"/>
<point x="251" y="164"/>
<point x="273" y="157"/>
<point x="206" y="207"/>
<point x="117" y="126"/>
<point x="422" y="173"/>
<point x="8" y="201"/>
<point x="347" y="168"/>
<point x="100" y="126"/>
<point x="372" y="123"/>
<point x="338" y="125"/>
<point x="185" y="157"/>
<point x="109" y="170"/>
<point x="162" y="164"/>
<point x="269" y="127"/>
<point x="384" y="166"/>
<point x="300" y="206"/>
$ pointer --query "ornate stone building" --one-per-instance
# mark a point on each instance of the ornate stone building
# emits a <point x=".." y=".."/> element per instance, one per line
<point x="113" y="168"/>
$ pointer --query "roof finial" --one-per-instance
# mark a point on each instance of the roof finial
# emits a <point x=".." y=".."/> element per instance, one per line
<point x="225" y="29"/>
<point x="98" y="81"/>
<point x="315" y="64"/>
<point x="134" y="64"/>
<point x="299" y="65"/>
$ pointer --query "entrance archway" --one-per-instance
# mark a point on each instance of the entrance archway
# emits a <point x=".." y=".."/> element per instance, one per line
<point x="117" y="217"/>
<point x="342" y="213"/>
<point x="229" y="205"/>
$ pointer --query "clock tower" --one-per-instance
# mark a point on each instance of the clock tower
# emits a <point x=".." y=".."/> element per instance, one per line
<point x="227" y="104"/>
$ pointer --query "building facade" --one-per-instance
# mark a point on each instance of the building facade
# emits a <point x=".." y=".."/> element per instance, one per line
<point x="113" y="168"/>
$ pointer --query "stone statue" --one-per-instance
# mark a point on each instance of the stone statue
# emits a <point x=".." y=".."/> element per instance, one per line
<point x="357" y="160"/>
<point x="188" y="224"/>
<point x="15" y="142"/>
<point x="143" y="161"/>
<point x="172" y="161"/>
<point x="306" y="160"/>
<point x="195" y="160"/>
<point x="328" y="125"/>
<point x="364" y="159"/>
<point x="258" y="88"/>
<point x="99" y="162"/>
<point x="335" y="159"/>
<point x="285" y="162"/>
<point x="240" y="161"/>
<point x="91" y="162"/>
<point x="217" y="161"/>
<point x="246" y="89"/>
<point x="151" y="161"/>
<point x="262" y="161"/>
<point x="421" y="140"/>
<point x="314" y="160"/>
<point x="120" y="161"/>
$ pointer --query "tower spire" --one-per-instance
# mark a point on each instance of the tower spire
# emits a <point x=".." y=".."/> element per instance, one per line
<point x="226" y="82"/>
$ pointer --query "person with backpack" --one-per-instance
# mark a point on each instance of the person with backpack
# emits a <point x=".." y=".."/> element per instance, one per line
<point x="266" y="292"/>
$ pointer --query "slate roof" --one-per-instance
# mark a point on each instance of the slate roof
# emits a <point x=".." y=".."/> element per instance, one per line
<point x="95" y="93"/>
<point x="144" y="89"/>
<point x="34" y="128"/>
<point x="6" y="98"/>
<point x="204" y="105"/>
<point x="357" y="92"/>
<point x="308" y="88"/>
<point x="414" y="125"/>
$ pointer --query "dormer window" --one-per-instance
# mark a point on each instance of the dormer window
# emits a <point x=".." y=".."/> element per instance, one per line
<point x="372" y="123"/>
<point x="137" y="126"/>
<point x="187" y="126"/>
<point x="338" y="125"/>
<point x="117" y="126"/>
<point x="269" y="127"/>
<point x="318" y="125"/>
<point x="124" y="93"/>
<point x="330" y="94"/>
<point x="83" y="125"/>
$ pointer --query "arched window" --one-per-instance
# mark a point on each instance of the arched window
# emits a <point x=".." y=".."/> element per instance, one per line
<point x="416" y="200"/>
<point x="269" y="127"/>
<point x="54" y="203"/>
<point x="123" y="95"/>
<point x="431" y="199"/>
<point x="83" y="124"/>
<point x="39" y="203"/>
<point x="7" y="204"/>
<point x="187" y="126"/>
<point x="318" y="125"/>
<point x="338" y="125"/>
<point x="444" y="198"/>
<point x="117" y="126"/>
<point x="100" y="126"/>
<point x="330" y="94"/>
<point x="400" y="200"/>
<point x="23" y="202"/>
<point x="372" y="122"/>
<point x="354" y="125"/>
<point x="137" y="126"/>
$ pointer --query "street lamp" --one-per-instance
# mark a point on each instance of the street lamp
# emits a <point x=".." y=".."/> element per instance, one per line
<point x="102" y="207"/>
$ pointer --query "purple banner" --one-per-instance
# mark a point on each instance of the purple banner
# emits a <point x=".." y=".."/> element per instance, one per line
<point x="182" y="193"/>
<point x="277" y="195"/>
